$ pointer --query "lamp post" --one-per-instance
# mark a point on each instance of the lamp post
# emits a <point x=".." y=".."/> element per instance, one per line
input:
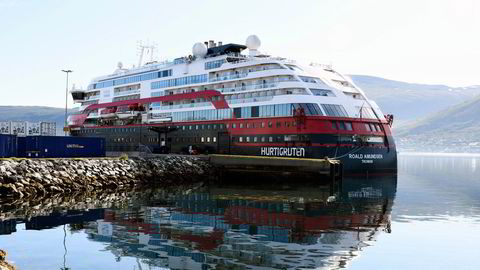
<point x="66" y="100"/>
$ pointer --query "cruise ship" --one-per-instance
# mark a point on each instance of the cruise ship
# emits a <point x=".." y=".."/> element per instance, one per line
<point x="234" y="99"/>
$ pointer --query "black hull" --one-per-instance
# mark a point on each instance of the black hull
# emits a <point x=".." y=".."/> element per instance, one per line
<point x="357" y="158"/>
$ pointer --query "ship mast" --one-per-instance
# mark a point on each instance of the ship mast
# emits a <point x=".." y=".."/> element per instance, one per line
<point x="145" y="48"/>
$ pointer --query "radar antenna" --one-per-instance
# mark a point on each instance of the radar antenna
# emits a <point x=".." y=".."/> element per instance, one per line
<point x="145" y="48"/>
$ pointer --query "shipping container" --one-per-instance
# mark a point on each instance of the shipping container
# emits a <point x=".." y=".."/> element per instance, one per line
<point x="19" y="128"/>
<point x="8" y="146"/>
<point x="48" y="128"/>
<point x="63" y="147"/>
<point x="33" y="128"/>
<point x="5" y="127"/>
<point x="21" y="147"/>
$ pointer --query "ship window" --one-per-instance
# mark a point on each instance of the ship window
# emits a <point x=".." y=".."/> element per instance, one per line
<point x="214" y="139"/>
<point x="208" y="139"/>
<point x="270" y="139"/>
<point x="241" y="125"/>
<point x="372" y="127"/>
<point x="196" y="126"/>
<point x="341" y="125"/>
<point x="226" y="125"/>
<point x="334" y="110"/>
<point x="237" y="112"/>
<point x="203" y="139"/>
<point x="255" y="111"/>
<point x="240" y="139"/>
<point x="287" y="124"/>
<point x="334" y="125"/>
<point x="367" y="126"/>
<point x="247" y="125"/>
<point x="269" y="124"/>
<point x="263" y="139"/>
<point x="262" y="124"/>
<point x="348" y="125"/>
<point x="279" y="124"/>
<point x="247" y="139"/>
<point x="322" y="92"/>
<point x="214" y="126"/>
<point x="255" y="139"/>
<point x="234" y="125"/>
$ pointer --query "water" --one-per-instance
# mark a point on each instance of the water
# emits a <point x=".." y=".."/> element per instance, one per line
<point x="428" y="218"/>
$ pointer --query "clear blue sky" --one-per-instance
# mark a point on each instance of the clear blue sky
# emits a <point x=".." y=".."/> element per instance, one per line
<point x="411" y="40"/>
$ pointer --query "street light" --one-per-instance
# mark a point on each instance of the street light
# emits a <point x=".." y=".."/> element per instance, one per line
<point x="66" y="100"/>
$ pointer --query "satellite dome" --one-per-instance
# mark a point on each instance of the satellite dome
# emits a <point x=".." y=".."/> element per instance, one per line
<point x="120" y="65"/>
<point x="199" y="49"/>
<point x="253" y="42"/>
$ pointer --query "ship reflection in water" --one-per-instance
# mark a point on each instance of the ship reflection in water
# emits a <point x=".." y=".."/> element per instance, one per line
<point x="238" y="228"/>
<point x="251" y="228"/>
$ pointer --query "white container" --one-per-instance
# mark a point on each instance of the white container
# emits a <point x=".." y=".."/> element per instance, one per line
<point x="48" y="129"/>
<point x="33" y="128"/>
<point x="5" y="127"/>
<point x="19" y="128"/>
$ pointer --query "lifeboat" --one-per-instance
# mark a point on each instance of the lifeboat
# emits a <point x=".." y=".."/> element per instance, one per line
<point x="108" y="113"/>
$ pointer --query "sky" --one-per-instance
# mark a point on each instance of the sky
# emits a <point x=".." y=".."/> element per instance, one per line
<point x="421" y="41"/>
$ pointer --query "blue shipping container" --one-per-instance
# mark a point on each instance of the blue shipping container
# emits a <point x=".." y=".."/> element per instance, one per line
<point x="21" y="147"/>
<point x="8" y="146"/>
<point x="63" y="147"/>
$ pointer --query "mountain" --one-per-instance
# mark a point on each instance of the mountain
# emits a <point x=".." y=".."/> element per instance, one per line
<point x="411" y="101"/>
<point x="456" y="129"/>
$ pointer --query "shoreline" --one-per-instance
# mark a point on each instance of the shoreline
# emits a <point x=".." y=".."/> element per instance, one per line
<point x="37" y="177"/>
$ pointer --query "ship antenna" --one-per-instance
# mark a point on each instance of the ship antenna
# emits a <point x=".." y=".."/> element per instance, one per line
<point x="142" y="47"/>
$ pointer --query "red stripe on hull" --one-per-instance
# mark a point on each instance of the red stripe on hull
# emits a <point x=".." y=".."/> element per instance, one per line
<point x="313" y="124"/>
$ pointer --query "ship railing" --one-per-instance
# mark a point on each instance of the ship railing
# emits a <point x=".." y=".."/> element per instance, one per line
<point x="92" y="97"/>
<point x="182" y="106"/>
<point x="229" y="77"/>
<point x="242" y="74"/>
<point x="248" y="100"/>
<point x="247" y="87"/>
<point x="150" y="67"/>
<point x="122" y="93"/>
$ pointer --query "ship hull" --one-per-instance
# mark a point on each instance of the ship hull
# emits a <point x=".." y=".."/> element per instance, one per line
<point x="311" y="139"/>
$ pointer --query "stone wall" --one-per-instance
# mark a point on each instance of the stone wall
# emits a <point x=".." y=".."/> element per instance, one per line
<point x="27" y="177"/>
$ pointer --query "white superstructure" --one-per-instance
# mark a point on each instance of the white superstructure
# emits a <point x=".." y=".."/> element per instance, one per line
<point x="245" y="80"/>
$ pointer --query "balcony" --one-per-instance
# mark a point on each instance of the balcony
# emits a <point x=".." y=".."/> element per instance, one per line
<point x="248" y="100"/>
<point x="125" y="93"/>
<point x="92" y="97"/>
<point x="242" y="75"/>
<point x="229" y="77"/>
<point x="247" y="87"/>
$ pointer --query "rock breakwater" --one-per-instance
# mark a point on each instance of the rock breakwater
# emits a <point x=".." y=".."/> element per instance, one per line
<point x="3" y="264"/>
<point x="26" y="177"/>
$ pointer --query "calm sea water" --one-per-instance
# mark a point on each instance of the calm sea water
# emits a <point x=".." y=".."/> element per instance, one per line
<point x="426" y="218"/>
